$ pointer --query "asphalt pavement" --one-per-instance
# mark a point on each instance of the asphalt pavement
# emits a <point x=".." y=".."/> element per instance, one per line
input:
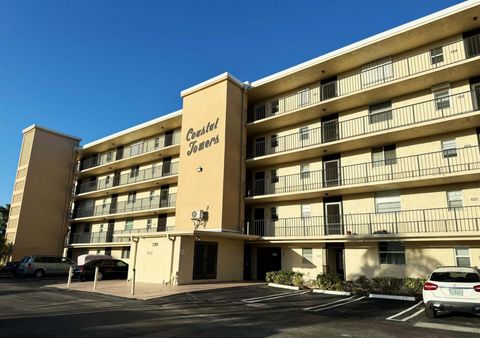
<point x="28" y="308"/>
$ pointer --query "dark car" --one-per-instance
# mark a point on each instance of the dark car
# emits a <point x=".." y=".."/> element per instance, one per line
<point x="11" y="267"/>
<point x="108" y="269"/>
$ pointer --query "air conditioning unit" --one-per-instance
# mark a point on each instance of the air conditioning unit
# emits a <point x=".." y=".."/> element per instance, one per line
<point x="198" y="215"/>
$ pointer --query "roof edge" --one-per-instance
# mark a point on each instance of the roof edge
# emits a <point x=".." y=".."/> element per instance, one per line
<point x="134" y="128"/>
<point x="37" y="126"/>
<point x="211" y="82"/>
<point x="370" y="40"/>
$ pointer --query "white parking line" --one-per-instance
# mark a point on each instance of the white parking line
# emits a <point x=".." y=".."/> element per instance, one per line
<point x="337" y="305"/>
<point x="447" y="327"/>
<point x="326" y="304"/>
<point x="272" y="297"/>
<point x="404" y="311"/>
<point x="414" y="315"/>
<point x="268" y="296"/>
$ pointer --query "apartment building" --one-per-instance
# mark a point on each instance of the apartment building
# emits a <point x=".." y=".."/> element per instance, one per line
<point x="363" y="161"/>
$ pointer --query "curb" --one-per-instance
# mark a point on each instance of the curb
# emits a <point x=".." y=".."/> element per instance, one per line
<point x="330" y="292"/>
<point x="281" y="286"/>
<point x="407" y="298"/>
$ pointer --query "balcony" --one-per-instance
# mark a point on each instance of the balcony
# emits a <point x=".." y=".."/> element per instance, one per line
<point x="425" y="221"/>
<point x="150" y="146"/>
<point x="117" y="210"/>
<point x="440" y="167"/>
<point x="371" y="76"/>
<point x="116" y="183"/>
<point x="388" y="121"/>
<point x="112" y="236"/>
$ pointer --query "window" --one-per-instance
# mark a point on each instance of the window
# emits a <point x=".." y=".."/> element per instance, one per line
<point x="132" y="197"/>
<point x="136" y="148"/>
<point x="152" y="195"/>
<point x="449" y="148"/>
<point x="273" y="176"/>
<point x="107" y="180"/>
<point x="387" y="201"/>
<point x="134" y="171"/>
<point x="436" y="55"/>
<point x="157" y="142"/>
<point x="384" y="155"/>
<point x="101" y="227"/>
<point x="104" y="203"/>
<point x="305" y="210"/>
<point x="303" y="97"/>
<point x="304" y="171"/>
<point x="275" y="107"/>
<point x="376" y="72"/>
<point x="109" y="156"/>
<point x="274" y="214"/>
<point x="273" y="141"/>
<point x="108" y="251"/>
<point x="391" y="252"/>
<point x="307" y="255"/>
<point x="462" y="257"/>
<point x="380" y="112"/>
<point x="149" y="224"/>
<point x="129" y="224"/>
<point x="454" y="199"/>
<point x="304" y="135"/>
<point x="126" y="252"/>
<point x="441" y="95"/>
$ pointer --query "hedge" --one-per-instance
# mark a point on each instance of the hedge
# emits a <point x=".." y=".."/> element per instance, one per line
<point x="285" y="277"/>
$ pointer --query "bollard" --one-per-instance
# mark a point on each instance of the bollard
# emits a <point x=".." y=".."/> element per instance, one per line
<point x="132" y="290"/>
<point x="95" y="278"/>
<point x="70" y="273"/>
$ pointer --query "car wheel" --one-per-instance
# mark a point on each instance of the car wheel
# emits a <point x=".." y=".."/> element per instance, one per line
<point x="430" y="312"/>
<point x="39" y="273"/>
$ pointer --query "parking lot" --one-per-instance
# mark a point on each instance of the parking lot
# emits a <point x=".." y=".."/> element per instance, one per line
<point x="30" y="308"/>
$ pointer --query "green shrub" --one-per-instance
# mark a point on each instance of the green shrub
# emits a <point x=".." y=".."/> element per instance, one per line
<point x="361" y="285"/>
<point x="414" y="286"/>
<point x="291" y="278"/>
<point x="332" y="282"/>
<point x="387" y="285"/>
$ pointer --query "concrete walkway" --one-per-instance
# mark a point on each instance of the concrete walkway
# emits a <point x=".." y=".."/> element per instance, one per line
<point x="122" y="288"/>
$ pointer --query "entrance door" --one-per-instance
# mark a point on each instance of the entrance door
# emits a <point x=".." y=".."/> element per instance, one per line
<point x="335" y="259"/>
<point x="475" y="95"/>
<point x="259" y="183"/>
<point x="205" y="260"/>
<point x="258" y="222"/>
<point x="164" y="196"/>
<point x="331" y="172"/>
<point x="168" y="138"/>
<point x="268" y="259"/>
<point x="113" y="204"/>
<point x="260" y="146"/>
<point x="471" y="41"/>
<point x="162" y="223"/>
<point x="111" y="226"/>
<point x="166" y="166"/>
<point x="247" y="258"/>
<point x="330" y="128"/>
<point x="333" y="218"/>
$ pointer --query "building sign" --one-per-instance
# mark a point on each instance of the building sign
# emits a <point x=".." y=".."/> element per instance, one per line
<point x="196" y="145"/>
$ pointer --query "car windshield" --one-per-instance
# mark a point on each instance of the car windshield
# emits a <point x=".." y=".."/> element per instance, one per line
<point x="25" y="259"/>
<point x="455" y="277"/>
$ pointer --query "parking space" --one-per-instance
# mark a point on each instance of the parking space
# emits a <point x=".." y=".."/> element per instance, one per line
<point x="248" y="311"/>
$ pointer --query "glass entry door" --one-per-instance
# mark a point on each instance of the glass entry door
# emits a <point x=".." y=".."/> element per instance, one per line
<point x="333" y="218"/>
<point x="331" y="173"/>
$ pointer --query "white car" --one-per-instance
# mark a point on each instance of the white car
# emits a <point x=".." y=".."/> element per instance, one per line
<point x="452" y="289"/>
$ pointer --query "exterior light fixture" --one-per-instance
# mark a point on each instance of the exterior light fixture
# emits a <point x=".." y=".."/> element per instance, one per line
<point x="199" y="169"/>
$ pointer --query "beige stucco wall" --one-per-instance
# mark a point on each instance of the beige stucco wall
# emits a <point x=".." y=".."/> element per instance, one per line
<point x="421" y="258"/>
<point x="216" y="187"/>
<point x="38" y="224"/>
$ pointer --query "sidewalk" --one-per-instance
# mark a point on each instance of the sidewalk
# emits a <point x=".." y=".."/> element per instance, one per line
<point x="144" y="291"/>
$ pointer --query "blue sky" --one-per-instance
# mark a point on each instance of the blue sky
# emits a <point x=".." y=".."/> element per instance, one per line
<point x="91" y="68"/>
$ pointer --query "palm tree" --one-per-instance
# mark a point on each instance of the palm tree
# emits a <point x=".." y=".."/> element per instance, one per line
<point x="4" y="211"/>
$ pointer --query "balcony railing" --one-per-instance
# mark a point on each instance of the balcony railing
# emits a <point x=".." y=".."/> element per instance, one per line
<point x="372" y="74"/>
<point x="125" y="206"/>
<point x="136" y="149"/>
<point x="112" y="236"/>
<point x="454" y="160"/>
<point x="163" y="170"/>
<point x="457" y="104"/>
<point x="424" y="221"/>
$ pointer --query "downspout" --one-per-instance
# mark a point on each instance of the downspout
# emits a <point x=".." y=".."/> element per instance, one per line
<point x="134" y="265"/>
<point x="243" y="173"/>
<point x="172" y="279"/>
